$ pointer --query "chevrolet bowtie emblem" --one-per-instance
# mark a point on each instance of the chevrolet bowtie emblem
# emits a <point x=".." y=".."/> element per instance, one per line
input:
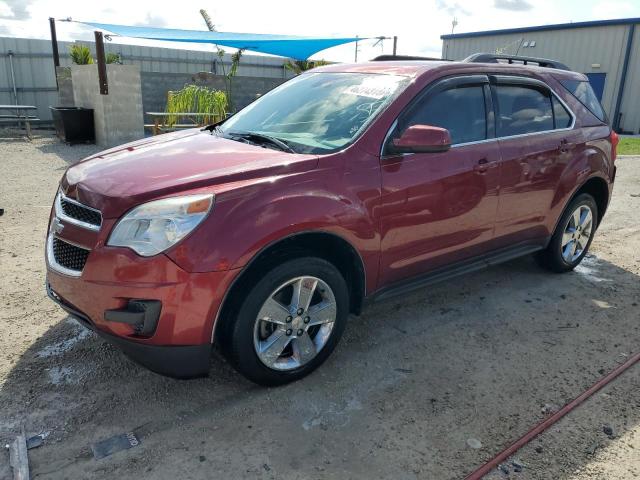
<point x="57" y="226"/>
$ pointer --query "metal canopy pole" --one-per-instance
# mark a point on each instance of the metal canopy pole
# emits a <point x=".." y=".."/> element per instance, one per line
<point x="356" y="56"/>
<point x="13" y="76"/>
<point x="54" y="47"/>
<point x="13" y="82"/>
<point x="102" y="64"/>
<point x="395" y="45"/>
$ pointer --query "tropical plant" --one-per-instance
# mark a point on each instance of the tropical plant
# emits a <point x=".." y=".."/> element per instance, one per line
<point x="235" y="58"/>
<point x="197" y="99"/>
<point x="299" y="66"/>
<point x="112" y="58"/>
<point x="80" y="55"/>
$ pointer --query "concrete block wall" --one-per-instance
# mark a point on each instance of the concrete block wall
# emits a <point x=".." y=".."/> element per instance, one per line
<point x="36" y="80"/>
<point x="117" y="116"/>
<point x="65" y="87"/>
<point x="244" y="90"/>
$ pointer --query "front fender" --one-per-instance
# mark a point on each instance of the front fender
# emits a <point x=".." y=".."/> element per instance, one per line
<point x="247" y="219"/>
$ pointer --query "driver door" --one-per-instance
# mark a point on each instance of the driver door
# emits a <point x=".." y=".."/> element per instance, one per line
<point x="439" y="208"/>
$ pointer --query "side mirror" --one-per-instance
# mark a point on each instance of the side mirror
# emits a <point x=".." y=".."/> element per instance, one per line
<point x="422" y="139"/>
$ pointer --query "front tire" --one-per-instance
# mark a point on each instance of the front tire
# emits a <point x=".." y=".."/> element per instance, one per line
<point x="289" y="322"/>
<point x="573" y="235"/>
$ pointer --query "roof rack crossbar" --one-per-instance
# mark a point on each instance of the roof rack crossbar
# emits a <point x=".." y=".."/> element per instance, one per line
<point x="495" y="58"/>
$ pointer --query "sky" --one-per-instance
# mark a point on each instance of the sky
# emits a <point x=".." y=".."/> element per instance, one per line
<point x="417" y="23"/>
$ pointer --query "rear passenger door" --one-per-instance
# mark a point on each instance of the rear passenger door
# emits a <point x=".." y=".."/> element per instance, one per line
<point x="534" y="130"/>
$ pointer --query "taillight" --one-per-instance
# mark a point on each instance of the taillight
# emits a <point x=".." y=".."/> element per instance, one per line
<point x="614" y="139"/>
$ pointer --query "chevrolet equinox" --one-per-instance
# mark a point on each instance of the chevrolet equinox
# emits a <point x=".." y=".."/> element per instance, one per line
<point x="344" y="185"/>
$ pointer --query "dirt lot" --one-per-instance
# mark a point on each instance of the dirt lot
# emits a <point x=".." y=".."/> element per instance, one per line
<point x="413" y="380"/>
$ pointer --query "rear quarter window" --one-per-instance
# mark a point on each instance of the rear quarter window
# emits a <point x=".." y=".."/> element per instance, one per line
<point x="581" y="89"/>
<point x="560" y="114"/>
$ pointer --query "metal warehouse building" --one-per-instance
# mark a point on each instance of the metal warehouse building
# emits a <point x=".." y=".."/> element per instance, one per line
<point x="607" y="51"/>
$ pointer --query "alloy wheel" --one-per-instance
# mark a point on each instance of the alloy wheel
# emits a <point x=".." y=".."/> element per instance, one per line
<point x="294" y="323"/>
<point x="577" y="233"/>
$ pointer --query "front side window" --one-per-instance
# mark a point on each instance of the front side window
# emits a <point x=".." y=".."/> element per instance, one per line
<point x="523" y="109"/>
<point x="460" y="110"/>
<point x="317" y="112"/>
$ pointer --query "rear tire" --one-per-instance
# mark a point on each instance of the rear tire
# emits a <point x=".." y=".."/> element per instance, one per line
<point x="289" y="321"/>
<point x="572" y="237"/>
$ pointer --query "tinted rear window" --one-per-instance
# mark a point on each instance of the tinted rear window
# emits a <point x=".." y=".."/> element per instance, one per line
<point x="523" y="109"/>
<point x="584" y="93"/>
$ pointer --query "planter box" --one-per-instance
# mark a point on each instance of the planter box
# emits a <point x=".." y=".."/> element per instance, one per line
<point x="118" y="115"/>
<point x="74" y="124"/>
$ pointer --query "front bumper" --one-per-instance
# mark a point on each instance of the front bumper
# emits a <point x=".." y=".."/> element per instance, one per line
<point x="180" y="343"/>
<point x="182" y="361"/>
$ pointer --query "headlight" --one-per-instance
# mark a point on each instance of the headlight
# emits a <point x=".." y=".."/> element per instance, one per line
<point x="153" y="227"/>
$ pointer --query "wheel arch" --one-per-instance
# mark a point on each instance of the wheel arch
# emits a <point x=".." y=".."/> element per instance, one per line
<point x="595" y="186"/>
<point x="598" y="188"/>
<point x="329" y="246"/>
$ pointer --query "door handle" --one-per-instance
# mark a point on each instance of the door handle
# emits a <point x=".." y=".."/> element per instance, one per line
<point x="483" y="165"/>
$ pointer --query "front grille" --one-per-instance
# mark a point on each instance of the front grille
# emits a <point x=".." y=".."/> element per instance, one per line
<point x="69" y="256"/>
<point x="81" y="213"/>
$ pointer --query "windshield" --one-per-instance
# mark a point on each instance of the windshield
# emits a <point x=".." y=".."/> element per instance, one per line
<point x="317" y="112"/>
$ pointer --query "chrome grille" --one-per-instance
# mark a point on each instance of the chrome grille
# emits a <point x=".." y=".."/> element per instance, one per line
<point x="69" y="256"/>
<point x="75" y="212"/>
<point x="80" y="212"/>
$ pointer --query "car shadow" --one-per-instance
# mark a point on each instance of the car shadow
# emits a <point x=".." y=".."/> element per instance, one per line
<point x="411" y="381"/>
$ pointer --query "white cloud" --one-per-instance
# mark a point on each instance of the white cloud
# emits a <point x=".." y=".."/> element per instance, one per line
<point x="613" y="9"/>
<point x="15" y="9"/>
<point x="5" y="10"/>
<point x="515" y="5"/>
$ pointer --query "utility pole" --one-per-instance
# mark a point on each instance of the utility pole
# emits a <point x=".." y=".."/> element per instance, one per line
<point x="454" y="24"/>
<point x="395" y="45"/>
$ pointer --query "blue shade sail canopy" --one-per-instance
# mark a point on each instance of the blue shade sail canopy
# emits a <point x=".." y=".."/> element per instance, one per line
<point x="299" y="48"/>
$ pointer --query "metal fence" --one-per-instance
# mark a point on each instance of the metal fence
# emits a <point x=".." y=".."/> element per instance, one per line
<point x="27" y="74"/>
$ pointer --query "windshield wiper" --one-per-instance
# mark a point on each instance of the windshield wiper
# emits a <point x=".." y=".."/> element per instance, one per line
<point x="261" y="138"/>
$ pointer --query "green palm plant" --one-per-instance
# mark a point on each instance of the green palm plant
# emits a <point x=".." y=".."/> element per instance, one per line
<point x="112" y="58"/>
<point x="235" y="58"/>
<point x="299" y="66"/>
<point x="197" y="99"/>
<point x="80" y="55"/>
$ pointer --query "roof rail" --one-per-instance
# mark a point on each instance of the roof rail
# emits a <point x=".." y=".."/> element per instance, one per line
<point x="495" y="57"/>
<point x="390" y="58"/>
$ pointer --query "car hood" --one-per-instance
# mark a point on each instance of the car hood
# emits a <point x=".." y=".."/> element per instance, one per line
<point x="115" y="180"/>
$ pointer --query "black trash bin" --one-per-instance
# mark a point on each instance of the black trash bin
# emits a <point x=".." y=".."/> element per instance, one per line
<point x="74" y="124"/>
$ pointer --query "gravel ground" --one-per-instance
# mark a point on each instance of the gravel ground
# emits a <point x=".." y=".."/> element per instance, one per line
<point x="415" y="384"/>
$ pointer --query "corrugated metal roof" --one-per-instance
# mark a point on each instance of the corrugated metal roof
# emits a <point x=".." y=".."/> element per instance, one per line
<point x="541" y="28"/>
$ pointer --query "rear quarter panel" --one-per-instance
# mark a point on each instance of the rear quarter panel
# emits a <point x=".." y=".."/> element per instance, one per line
<point x="592" y="159"/>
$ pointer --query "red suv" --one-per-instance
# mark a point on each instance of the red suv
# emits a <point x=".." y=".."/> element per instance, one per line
<point x="347" y="184"/>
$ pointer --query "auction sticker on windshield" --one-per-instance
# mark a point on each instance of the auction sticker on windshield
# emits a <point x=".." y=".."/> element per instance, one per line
<point x="376" y="88"/>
